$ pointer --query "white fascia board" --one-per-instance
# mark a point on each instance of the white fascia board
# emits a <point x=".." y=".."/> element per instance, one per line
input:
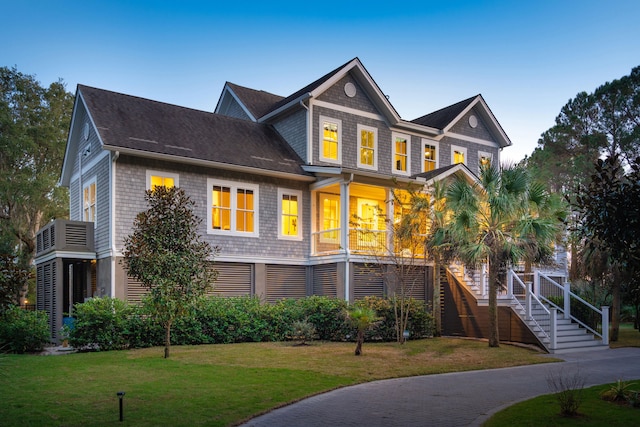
<point x="230" y="91"/>
<point x="210" y="164"/>
<point x="460" y="167"/>
<point x="487" y="114"/>
<point x="285" y="107"/>
<point x="64" y="254"/>
<point x="405" y="125"/>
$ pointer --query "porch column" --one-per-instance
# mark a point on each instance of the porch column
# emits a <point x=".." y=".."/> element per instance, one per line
<point x="344" y="235"/>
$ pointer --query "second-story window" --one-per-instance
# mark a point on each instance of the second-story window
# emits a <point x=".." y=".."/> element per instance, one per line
<point x="89" y="201"/>
<point x="367" y="146"/>
<point x="401" y="153"/>
<point x="484" y="159"/>
<point x="429" y="153"/>
<point x="330" y="140"/>
<point x="289" y="224"/>
<point x="233" y="208"/>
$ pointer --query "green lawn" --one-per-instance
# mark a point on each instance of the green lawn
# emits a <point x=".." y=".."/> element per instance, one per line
<point x="216" y="384"/>
<point x="544" y="410"/>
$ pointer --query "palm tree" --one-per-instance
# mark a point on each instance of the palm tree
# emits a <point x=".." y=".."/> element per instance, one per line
<point x="500" y="220"/>
<point x="362" y="319"/>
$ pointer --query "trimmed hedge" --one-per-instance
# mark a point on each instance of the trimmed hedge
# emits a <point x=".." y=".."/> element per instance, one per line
<point x="109" y="324"/>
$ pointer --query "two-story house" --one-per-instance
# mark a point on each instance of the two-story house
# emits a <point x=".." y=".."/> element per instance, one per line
<point x="277" y="181"/>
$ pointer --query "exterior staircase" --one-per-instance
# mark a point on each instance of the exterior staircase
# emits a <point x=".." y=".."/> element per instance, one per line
<point x="557" y="332"/>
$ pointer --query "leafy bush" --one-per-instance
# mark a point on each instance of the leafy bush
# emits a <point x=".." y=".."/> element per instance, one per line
<point x="23" y="331"/>
<point x="619" y="392"/>
<point x="420" y="320"/>
<point x="328" y="315"/>
<point x="101" y="324"/>
<point x="303" y="331"/>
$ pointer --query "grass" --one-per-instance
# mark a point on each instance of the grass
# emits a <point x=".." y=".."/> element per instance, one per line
<point x="544" y="411"/>
<point x="217" y="385"/>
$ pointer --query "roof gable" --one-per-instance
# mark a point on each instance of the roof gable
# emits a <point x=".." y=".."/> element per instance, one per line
<point x="154" y="129"/>
<point x="255" y="103"/>
<point x="445" y="118"/>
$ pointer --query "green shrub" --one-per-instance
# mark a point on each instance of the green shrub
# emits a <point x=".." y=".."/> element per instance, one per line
<point x="23" y="331"/>
<point x="101" y="324"/>
<point x="303" y="331"/>
<point x="420" y="320"/>
<point x="328" y="315"/>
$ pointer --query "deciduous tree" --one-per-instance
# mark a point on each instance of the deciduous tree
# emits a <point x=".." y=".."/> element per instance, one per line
<point x="34" y="122"/>
<point x="166" y="253"/>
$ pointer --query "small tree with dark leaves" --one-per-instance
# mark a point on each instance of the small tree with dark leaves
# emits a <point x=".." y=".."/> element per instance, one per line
<point x="167" y="255"/>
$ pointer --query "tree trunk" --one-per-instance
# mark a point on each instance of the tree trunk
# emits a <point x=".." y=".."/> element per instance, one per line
<point x="494" y="339"/>
<point x="167" y="340"/>
<point x="359" y="341"/>
<point x="615" y="313"/>
<point x="437" y="315"/>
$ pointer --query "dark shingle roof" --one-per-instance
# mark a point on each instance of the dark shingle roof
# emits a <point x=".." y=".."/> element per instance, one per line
<point x="441" y="118"/>
<point x="129" y="122"/>
<point x="309" y="88"/>
<point x="258" y="102"/>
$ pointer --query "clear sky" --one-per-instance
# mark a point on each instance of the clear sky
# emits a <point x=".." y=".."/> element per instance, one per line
<point x="527" y="58"/>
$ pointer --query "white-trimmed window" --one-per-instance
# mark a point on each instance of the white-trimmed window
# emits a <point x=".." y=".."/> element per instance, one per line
<point x="429" y="155"/>
<point x="233" y="208"/>
<point x="158" y="178"/>
<point x="484" y="159"/>
<point x="289" y="214"/>
<point x="367" y="147"/>
<point x="330" y="140"/>
<point x="89" y="200"/>
<point x="458" y="155"/>
<point x="401" y="153"/>
<point x="329" y="218"/>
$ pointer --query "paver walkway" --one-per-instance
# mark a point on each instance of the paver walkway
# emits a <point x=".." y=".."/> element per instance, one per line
<point x="446" y="400"/>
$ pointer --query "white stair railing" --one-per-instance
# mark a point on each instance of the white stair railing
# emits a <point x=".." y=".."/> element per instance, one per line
<point x="524" y="299"/>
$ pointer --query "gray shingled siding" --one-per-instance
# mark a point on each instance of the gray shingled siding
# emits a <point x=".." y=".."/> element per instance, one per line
<point x="235" y="110"/>
<point x="101" y="172"/>
<point x="481" y="131"/>
<point x="335" y="95"/>
<point x="131" y="182"/>
<point x="293" y="130"/>
<point x="74" y="201"/>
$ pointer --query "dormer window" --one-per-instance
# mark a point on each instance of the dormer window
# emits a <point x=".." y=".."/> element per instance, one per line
<point x="330" y="140"/>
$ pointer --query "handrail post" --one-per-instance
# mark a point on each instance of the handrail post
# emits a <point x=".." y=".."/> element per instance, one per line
<point x="528" y="299"/>
<point x="605" y="325"/>
<point x="553" y="320"/>
<point x="536" y="283"/>
<point x="510" y="274"/>
<point x="567" y="300"/>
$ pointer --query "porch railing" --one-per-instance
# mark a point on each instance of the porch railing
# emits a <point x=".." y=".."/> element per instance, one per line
<point x="360" y="240"/>
<point x="560" y="297"/>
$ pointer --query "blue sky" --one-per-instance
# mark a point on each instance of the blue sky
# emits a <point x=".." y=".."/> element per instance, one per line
<point x="527" y="58"/>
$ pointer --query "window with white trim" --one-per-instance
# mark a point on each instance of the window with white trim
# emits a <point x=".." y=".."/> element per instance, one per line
<point x="158" y="178"/>
<point x="330" y="140"/>
<point x="484" y="159"/>
<point x="401" y="153"/>
<point x="233" y="208"/>
<point x="458" y="155"/>
<point x="429" y="155"/>
<point x="89" y="201"/>
<point x="367" y="147"/>
<point x="329" y="218"/>
<point x="289" y="214"/>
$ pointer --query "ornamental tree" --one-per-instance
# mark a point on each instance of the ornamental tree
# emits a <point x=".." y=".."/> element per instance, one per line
<point x="166" y="254"/>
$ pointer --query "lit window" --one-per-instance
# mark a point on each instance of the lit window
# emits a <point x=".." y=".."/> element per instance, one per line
<point x="233" y="208"/>
<point x="401" y="153"/>
<point x="368" y="140"/>
<point x="221" y="208"/>
<point x="330" y="137"/>
<point x="289" y="225"/>
<point x="161" y="179"/>
<point x="484" y="159"/>
<point x="329" y="218"/>
<point x="89" y="201"/>
<point x="429" y="153"/>
<point x="458" y="155"/>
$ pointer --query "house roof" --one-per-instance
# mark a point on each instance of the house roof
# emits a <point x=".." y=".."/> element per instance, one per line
<point x="440" y="119"/>
<point x="137" y="125"/>
<point x="258" y="102"/>
<point x="445" y="171"/>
